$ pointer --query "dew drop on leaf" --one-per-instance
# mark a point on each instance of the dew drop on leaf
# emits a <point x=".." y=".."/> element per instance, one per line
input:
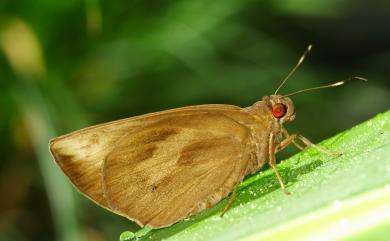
<point x="127" y="236"/>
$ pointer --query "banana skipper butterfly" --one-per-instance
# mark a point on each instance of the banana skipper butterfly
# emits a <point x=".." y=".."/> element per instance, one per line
<point x="159" y="168"/>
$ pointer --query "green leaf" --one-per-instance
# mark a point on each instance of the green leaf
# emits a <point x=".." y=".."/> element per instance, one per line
<point x="347" y="197"/>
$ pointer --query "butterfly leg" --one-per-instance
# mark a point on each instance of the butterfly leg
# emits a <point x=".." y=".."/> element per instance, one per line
<point x="272" y="161"/>
<point x="229" y="202"/>
<point x="288" y="140"/>
<point x="321" y="149"/>
<point x="291" y="139"/>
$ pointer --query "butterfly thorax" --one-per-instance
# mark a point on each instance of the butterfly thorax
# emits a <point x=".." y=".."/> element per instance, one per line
<point x="267" y="121"/>
<point x="260" y="129"/>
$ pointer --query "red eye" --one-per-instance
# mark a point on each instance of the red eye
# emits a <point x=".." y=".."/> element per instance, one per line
<point x="278" y="110"/>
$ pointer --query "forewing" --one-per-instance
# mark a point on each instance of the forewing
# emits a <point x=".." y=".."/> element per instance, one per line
<point x="175" y="167"/>
<point x="80" y="154"/>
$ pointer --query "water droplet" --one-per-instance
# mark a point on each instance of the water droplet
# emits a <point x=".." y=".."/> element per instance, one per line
<point x="387" y="187"/>
<point x="337" y="204"/>
<point x="127" y="236"/>
<point x="344" y="223"/>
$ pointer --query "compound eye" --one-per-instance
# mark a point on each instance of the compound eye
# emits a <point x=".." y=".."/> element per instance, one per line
<point x="279" y="110"/>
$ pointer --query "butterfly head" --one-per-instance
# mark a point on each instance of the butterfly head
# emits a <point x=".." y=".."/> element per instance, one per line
<point x="282" y="108"/>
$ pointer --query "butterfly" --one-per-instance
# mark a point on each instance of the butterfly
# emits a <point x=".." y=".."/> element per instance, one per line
<point x="157" y="169"/>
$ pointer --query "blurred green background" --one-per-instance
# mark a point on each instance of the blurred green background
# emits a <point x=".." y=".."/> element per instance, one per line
<point x="69" y="64"/>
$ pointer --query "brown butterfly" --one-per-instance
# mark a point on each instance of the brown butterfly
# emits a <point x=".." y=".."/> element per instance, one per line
<point x="157" y="169"/>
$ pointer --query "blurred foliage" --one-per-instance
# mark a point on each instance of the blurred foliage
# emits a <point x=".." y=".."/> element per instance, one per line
<point x="69" y="64"/>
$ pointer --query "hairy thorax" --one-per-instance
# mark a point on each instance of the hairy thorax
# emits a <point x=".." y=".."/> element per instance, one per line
<point x="261" y="128"/>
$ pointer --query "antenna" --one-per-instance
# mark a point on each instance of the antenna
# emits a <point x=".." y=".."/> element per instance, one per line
<point x="328" y="86"/>
<point x="300" y="61"/>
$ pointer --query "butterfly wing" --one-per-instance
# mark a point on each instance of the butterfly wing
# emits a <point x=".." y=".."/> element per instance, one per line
<point x="81" y="154"/>
<point x="175" y="167"/>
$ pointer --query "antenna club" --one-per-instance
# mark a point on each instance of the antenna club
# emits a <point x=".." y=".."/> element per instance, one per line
<point x="338" y="83"/>
<point x="360" y="78"/>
